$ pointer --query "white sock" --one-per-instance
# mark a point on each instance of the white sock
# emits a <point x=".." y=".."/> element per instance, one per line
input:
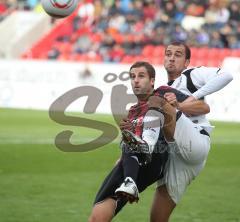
<point x="152" y="123"/>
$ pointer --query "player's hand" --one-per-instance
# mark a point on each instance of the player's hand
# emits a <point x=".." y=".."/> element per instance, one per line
<point x="171" y="98"/>
<point x="126" y="124"/>
<point x="156" y="101"/>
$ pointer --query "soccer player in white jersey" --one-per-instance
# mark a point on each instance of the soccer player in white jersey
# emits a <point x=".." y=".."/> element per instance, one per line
<point x="189" y="143"/>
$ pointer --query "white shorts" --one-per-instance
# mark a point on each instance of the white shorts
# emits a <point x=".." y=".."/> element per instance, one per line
<point x="187" y="157"/>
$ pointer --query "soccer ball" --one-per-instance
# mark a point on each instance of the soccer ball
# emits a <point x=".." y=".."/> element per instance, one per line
<point x="59" y="8"/>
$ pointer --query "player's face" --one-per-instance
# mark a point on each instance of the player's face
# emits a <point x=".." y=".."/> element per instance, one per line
<point x="141" y="82"/>
<point x="175" y="60"/>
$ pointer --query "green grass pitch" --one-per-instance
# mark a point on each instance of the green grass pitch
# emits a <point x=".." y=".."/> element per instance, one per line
<point x="39" y="183"/>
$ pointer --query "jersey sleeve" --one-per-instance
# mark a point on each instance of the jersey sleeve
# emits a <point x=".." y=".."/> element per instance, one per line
<point x="209" y="80"/>
<point x="164" y="89"/>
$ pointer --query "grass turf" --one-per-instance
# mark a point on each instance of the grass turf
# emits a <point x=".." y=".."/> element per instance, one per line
<point x="39" y="183"/>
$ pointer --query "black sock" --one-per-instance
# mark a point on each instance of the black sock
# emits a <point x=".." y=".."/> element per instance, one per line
<point x="130" y="166"/>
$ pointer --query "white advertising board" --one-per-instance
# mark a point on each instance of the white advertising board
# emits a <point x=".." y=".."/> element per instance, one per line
<point x="37" y="84"/>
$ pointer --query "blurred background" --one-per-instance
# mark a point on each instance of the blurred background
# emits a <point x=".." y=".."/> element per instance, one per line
<point x="123" y="31"/>
<point x="41" y="58"/>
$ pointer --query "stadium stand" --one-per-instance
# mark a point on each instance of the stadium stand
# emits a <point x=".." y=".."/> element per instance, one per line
<point x="125" y="30"/>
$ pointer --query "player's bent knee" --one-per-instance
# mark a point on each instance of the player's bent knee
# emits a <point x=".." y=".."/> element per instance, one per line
<point x="198" y="153"/>
<point x="98" y="217"/>
<point x="95" y="215"/>
<point x="103" y="212"/>
<point x="92" y="218"/>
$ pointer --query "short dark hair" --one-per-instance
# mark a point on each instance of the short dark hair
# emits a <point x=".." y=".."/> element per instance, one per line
<point x="187" y="49"/>
<point x="150" y="69"/>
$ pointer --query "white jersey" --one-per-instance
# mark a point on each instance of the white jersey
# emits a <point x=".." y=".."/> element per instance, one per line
<point x="188" y="153"/>
<point x="200" y="82"/>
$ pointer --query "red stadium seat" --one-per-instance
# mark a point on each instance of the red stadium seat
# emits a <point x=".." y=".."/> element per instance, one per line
<point x="202" y="53"/>
<point x="127" y="59"/>
<point x="64" y="57"/>
<point x="158" y="51"/>
<point x="224" y="53"/>
<point x="148" y="50"/>
<point x="235" y="53"/>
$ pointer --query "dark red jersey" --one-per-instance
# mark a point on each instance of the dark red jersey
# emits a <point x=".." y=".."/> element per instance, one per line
<point x="138" y="111"/>
<point x="136" y="115"/>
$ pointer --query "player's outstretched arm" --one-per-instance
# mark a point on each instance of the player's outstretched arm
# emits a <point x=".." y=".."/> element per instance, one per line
<point x="209" y="80"/>
<point x="190" y="106"/>
<point x="193" y="107"/>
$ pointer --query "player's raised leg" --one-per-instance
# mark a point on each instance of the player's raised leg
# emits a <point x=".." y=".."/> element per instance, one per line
<point x="167" y="119"/>
<point x="192" y="143"/>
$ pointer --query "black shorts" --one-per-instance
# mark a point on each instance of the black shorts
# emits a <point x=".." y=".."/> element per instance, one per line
<point x="147" y="175"/>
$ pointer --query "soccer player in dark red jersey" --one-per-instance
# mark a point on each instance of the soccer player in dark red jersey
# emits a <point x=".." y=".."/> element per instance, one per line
<point x="138" y="169"/>
<point x="142" y="76"/>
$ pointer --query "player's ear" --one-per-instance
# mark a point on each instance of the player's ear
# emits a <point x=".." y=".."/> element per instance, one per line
<point x="187" y="62"/>
<point x="152" y="81"/>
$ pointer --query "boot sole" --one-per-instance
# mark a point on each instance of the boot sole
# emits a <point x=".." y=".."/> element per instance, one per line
<point x="130" y="198"/>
